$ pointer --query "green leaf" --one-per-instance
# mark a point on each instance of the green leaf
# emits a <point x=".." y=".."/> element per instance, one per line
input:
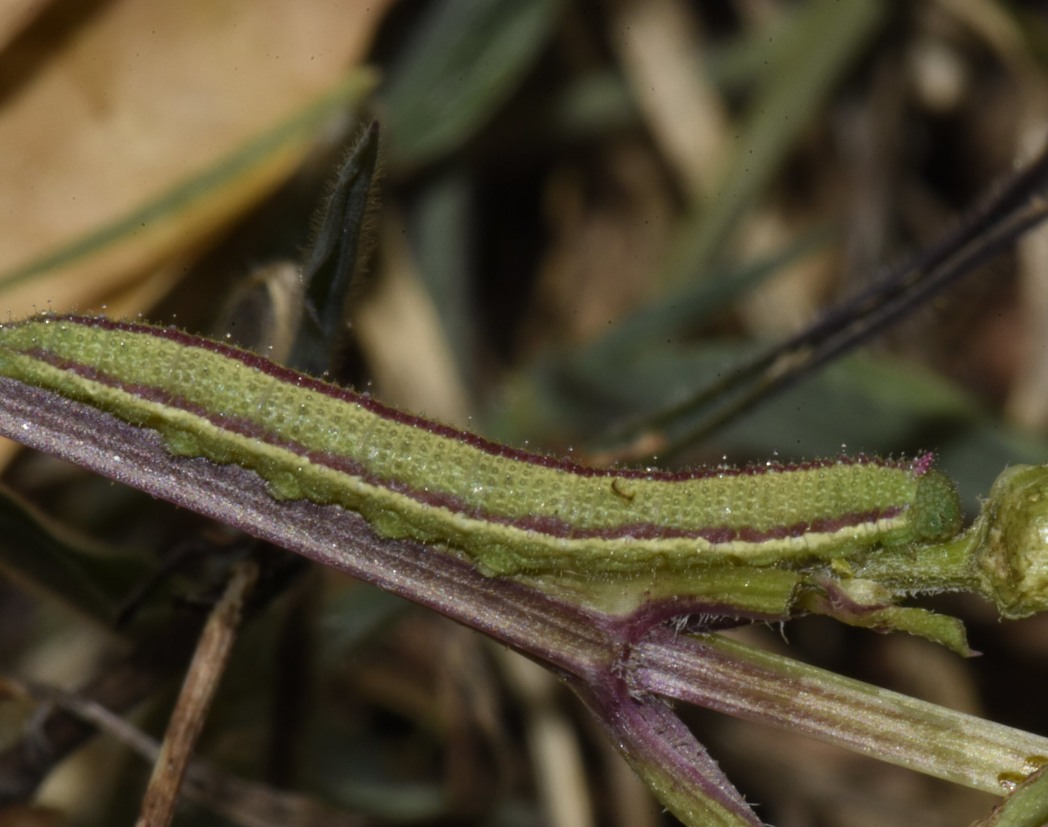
<point x="464" y="62"/>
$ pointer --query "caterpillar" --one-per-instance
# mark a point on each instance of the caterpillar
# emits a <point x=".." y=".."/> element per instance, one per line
<point x="510" y="511"/>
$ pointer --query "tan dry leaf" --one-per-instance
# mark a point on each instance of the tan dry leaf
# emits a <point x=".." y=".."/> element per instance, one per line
<point x="15" y="15"/>
<point x="137" y="98"/>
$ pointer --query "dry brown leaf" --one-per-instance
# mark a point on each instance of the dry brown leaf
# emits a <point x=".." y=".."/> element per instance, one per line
<point x="15" y="15"/>
<point x="140" y="97"/>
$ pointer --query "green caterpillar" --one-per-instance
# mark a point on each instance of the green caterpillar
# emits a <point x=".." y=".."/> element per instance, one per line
<point x="510" y="511"/>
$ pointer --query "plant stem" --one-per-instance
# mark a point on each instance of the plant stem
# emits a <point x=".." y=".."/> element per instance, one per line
<point x="730" y="677"/>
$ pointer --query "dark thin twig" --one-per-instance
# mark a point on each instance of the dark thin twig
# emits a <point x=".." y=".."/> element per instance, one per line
<point x="243" y="802"/>
<point x="1003" y="217"/>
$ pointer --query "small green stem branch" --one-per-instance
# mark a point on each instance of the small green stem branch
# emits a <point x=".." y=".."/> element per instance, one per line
<point x="1026" y="806"/>
<point x="943" y="567"/>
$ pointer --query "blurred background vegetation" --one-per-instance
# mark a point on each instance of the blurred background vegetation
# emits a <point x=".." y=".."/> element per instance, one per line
<point x="589" y="209"/>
